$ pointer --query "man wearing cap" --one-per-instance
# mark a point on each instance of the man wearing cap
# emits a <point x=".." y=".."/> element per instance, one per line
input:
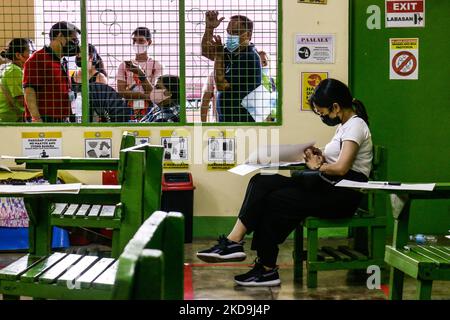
<point x="136" y="78"/>
<point x="46" y="81"/>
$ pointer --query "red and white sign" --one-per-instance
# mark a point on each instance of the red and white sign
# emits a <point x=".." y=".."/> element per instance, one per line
<point x="405" y="14"/>
<point x="404" y="58"/>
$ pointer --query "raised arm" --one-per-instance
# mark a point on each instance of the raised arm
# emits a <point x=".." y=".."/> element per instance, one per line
<point x="212" y="22"/>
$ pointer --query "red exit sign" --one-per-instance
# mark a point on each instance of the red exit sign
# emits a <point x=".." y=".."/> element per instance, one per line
<point x="404" y="6"/>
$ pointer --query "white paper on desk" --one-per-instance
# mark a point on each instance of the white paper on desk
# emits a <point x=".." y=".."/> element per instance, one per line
<point x="276" y="154"/>
<point x="381" y="185"/>
<point x="72" y="188"/>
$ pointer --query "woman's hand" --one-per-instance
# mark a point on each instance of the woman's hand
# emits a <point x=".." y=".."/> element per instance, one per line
<point x="313" y="158"/>
<point x="314" y="162"/>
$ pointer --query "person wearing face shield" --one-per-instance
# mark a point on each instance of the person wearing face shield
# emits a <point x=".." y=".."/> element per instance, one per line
<point x="136" y="78"/>
<point x="166" y="99"/>
<point x="46" y="81"/>
<point x="274" y="205"/>
<point x="237" y="65"/>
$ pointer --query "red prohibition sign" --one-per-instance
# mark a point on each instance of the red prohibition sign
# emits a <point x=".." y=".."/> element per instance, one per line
<point x="404" y="63"/>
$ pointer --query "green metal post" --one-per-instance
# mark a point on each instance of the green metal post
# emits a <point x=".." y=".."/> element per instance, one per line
<point x="84" y="64"/>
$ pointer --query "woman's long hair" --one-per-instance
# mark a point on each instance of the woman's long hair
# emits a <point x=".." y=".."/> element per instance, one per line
<point x="331" y="91"/>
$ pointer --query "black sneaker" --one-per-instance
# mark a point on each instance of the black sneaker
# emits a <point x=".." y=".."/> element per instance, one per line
<point x="225" y="250"/>
<point x="259" y="277"/>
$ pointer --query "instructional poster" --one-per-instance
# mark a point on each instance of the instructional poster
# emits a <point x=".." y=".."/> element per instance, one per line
<point x="98" y="144"/>
<point x="405" y="14"/>
<point x="314" y="48"/>
<point x="310" y="80"/>
<point x="41" y="144"/>
<point x="221" y="150"/>
<point x="142" y="136"/>
<point x="404" y="59"/>
<point x="176" y="147"/>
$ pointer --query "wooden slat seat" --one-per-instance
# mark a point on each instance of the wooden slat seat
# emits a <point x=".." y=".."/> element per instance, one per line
<point x="121" y="208"/>
<point x="139" y="273"/>
<point x="423" y="262"/>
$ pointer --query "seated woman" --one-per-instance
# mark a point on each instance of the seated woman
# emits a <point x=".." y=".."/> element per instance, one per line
<point x="11" y="92"/>
<point x="166" y="99"/>
<point x="274" y="204"/>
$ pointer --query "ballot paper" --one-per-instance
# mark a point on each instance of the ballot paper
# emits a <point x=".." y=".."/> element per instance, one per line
<point x="272" y="156"/>
<point x="384" y="185"/>
<point x="73" y="188"/>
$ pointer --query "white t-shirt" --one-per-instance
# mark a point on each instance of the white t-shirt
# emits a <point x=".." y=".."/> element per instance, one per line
<point x="355" y="129"/>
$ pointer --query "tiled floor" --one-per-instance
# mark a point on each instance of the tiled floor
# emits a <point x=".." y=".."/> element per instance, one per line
<point x="215" y="281"/>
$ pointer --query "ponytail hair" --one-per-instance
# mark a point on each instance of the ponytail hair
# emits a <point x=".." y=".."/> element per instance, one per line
<point x="360" y="110"/>
<point x="16" y="45"/>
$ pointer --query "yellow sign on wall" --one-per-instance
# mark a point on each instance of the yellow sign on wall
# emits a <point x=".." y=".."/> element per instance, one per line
<point x="176" y="148"/>
<point x="221" y="150"/>
<point x="42" y="144"/>
<point x="309" y="81"/>
<point x="98" y="144"/>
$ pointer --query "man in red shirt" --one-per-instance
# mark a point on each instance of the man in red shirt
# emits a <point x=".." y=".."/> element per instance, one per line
<point x="46" y="81"/>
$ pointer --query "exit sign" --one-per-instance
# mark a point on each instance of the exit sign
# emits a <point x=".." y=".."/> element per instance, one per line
<point x="405" y="14"/>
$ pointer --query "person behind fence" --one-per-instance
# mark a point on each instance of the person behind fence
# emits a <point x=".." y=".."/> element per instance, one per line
<point x="166" y="99"/>
<point x="274" y="204"/>
<point x="12" y="102"/>
<point x="46" y="82"/>
<point x="96" y="74"/>
<point x="209" y="96"/>
<point x="136" y="78"/>
<point x="237" y="65"/>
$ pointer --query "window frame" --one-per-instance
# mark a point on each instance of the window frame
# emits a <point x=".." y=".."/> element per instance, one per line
<point x="182" y="75"/>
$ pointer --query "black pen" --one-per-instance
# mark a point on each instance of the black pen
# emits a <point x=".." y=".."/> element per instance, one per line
<point x="389" y="183"/>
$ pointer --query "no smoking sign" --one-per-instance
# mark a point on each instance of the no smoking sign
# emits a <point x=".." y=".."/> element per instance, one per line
<point x="404" y="59"/>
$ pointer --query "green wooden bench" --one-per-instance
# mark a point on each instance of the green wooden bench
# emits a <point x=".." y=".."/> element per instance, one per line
<point x="140" y="173"/>
<point x="425" y="263"/>
<point x="150" y="267"/>
<point x="367" y="227"/>
<point x="124" y="206"/>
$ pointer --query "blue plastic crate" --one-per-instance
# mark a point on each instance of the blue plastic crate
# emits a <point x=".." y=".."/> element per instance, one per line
<point x="17" y="238"/>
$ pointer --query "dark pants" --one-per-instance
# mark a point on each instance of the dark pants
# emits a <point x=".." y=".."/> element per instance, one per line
<point x="274" y="205"/>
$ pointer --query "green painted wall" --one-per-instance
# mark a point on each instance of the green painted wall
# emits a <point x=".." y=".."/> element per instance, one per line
<point x="410" y="117"/>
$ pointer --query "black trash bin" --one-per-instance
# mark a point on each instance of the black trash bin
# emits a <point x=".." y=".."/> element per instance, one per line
<point x="178" y="195"/>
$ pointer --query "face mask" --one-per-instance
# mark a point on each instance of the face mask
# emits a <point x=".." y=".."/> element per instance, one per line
<point x="70" y="49"/>
<point x="157" y="96"/>
<point x="140" y="48"/>
<point x="330" y="121"/>
<point x="265" y="70"/>
<point x="232" y="42"/>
